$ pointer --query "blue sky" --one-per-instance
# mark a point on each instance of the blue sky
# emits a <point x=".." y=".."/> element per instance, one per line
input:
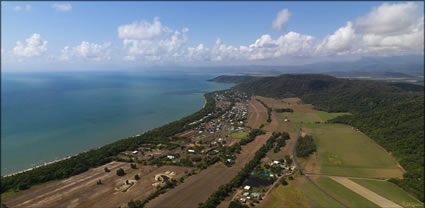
<point x="87" y="34"/>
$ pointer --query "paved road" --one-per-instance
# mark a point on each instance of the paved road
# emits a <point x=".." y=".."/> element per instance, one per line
<point x="308" y="178"/>
<point x="366" y="193"/>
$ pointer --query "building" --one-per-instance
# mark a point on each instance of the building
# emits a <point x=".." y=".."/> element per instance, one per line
<point x="135" y="152"/>
<point x="247" y="188"/>
<point x="191" y="150"/>
<point x="170" y="157"/>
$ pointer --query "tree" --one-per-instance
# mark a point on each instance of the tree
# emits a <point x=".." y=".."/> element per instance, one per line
<point x="136" y="177"/>
<point x="106" y="169"/>
<point x="120" y="172"/>
<point x="283" y="181"/>
<point x="237" y="204"/>
<point x="99" y="182"/>
<point x="132" y="165"/>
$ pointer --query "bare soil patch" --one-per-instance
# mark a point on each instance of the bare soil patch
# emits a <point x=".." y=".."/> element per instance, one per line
<point x="82" y="190"/>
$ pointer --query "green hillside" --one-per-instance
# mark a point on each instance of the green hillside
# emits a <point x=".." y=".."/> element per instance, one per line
<point x="392" y="115"/>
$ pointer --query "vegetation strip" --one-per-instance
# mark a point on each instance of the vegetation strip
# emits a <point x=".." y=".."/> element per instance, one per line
<point x="269" y="111"/>
<point x="224" y="190"/>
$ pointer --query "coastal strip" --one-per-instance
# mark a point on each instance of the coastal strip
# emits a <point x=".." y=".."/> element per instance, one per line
<point x="82" y="162"/>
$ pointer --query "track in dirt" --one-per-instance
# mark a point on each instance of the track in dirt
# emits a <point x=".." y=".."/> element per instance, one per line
<point x="366" y="193"/>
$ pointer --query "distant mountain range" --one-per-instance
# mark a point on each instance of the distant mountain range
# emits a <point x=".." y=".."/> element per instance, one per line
<point x="393" y="66"/>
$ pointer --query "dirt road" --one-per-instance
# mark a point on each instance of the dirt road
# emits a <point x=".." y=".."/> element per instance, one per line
<point x="198" y="188"/>
<point x="366" y="193"/>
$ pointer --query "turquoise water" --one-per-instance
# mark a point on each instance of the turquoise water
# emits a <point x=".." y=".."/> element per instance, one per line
<point x="48" y="116"/>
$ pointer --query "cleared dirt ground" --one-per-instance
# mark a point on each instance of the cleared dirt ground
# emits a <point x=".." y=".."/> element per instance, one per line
<point x="82" y="190"/>
<point x="257" y="114"/>
<point x="198" y="188"/>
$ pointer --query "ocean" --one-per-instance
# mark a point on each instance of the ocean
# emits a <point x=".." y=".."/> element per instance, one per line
<point x="51" y="115"/>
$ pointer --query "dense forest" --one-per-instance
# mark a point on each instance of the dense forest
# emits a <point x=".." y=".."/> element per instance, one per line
<point x="305" y="146"/>
<point x="392" y="114"/>
<point x="97" y="157"/>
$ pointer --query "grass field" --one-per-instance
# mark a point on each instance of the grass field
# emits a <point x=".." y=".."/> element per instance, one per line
<point x="239" y="134"/>
<point x="299" y="193"/>
<point x="343" y="194"/>
<point x="390" y="191"/>
<point x="345" y="152"/>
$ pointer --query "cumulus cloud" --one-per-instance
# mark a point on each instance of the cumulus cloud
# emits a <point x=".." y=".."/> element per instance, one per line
<point x="141" y="30"/>
<point x="152" y="41"/>
<point x="340" y="41"/>
<point x="389" y="18"/>
<point x="281" y="19"/>
<point x="33" y="46"/>
<point x="87" y="50"/>
<point x="62" y="7"/>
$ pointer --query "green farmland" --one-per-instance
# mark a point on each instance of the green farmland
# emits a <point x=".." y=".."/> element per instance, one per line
<point x="390" y="191"/>
<point x="343" y="151"/>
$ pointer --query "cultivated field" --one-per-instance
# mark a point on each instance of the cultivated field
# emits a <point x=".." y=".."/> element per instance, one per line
<point x="389" y="191"/>
<point x="299" y="193"/>
<point x="343" y="151"/>
<point x="82" y="191"/>
<point x="342" y="193"/>
<point x="198" y="188"/>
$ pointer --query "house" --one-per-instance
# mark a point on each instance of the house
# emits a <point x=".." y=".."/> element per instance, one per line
<point x="243" y="200"/>
<point x="255" y="195"/>
<point x="245" y="194"/>
<point x="170" y="157"/>
<point x="191" y="150"/>
<point x="276" y="162"/>
<point x="229" y="160"/>
<point x="286" y="120"/>
<point x="247" y="188"/>
<point x="135" y="152"/>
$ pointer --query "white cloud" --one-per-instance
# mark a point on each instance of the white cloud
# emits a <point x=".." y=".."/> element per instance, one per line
<point x="342" y="40"/>
<point x="34" y="46"/>
<point x="389" y="18"/>
<point x="18" y="8"/>
<point x="62" y="7"/>
<point x="87" y="50"/>
<point x="281" y="19"/>
<point x="141" y="30"/>
<point x="152" y="41"/>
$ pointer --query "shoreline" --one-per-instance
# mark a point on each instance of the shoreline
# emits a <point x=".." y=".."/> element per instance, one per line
<point x="58" y="160"/>
<point x="67" y="157"/>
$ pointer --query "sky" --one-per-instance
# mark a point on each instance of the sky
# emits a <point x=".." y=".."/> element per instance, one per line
<point x="56" y="36"/>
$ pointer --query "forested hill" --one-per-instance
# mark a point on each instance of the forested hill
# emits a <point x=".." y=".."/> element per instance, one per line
<point x="233" y="79"/>
<point x="391" y="114"/>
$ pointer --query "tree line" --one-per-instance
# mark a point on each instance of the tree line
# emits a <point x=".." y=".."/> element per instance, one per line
<point x="391" y="114"/>
<point x="224" y="190"/>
